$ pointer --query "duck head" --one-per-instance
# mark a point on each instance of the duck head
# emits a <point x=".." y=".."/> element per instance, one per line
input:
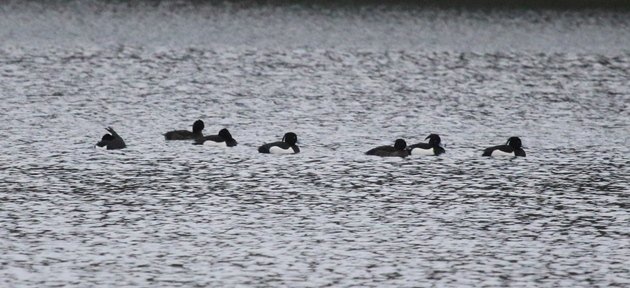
<point x="198" y="126"/>
<point x="225" y="134"/>
<point x="400" y="144"/>
<point x="514" y="142"/>
<point x="290" y="138"/>
<point x="434" y="140"/>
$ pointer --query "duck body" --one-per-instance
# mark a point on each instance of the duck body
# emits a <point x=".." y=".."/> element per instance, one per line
<point x="432" y="148"/>
<point x="286" y="146"/>
<point x="111" y="141"/>
<point x="425" y="149"/>
<point x="182" y="135"/>
<point x="398" y="150"/>
<point x="512" y="148"/>
<point x="223" y="139"/>
<point x="185" y="134"/>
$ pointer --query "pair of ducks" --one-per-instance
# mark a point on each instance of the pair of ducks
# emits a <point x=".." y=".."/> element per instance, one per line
<point x="512" y="148"/>
<point x="288" y="145"/>
<point x="224" y="138"/>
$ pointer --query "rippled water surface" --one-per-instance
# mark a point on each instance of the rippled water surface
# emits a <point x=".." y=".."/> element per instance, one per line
<point x="174" y="214"/>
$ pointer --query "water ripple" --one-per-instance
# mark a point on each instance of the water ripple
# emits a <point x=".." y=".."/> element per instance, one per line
<point x="174" y="214"/>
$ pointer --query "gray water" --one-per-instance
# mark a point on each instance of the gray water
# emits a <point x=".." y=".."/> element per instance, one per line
<point x="165" y="214"/>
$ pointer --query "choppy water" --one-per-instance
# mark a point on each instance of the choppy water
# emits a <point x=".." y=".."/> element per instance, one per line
<point x="175" y="214"/>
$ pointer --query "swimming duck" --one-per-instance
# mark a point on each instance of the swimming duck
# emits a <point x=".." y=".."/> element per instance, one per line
<point x="185" y="134"/>
<point x="398" y="150"/>
<point x="223" y="139"/>
<point x="512" y="148"/>
<point x="111" y="141"/>
<point x="286" y="146"/>
<point x="431" y="148"/>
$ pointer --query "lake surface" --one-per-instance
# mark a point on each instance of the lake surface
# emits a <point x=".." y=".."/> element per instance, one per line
<point x="170" y="214"/>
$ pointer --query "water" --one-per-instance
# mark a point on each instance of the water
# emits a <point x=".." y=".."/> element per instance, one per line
<point x="174" y="214"/>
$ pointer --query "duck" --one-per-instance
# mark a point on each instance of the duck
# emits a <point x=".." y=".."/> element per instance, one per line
<point x="431" y="148"/>
<point x="111" y="141"/>
<point x="398" y="150"/>
<point x="223" y="139"/>
<point x="185" y="134"/>
<point x="512" y="148"/>
<point x="286" y="146"/>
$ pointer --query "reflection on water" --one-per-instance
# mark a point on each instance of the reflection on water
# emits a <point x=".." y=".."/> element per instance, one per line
<point x="175" y="214"/>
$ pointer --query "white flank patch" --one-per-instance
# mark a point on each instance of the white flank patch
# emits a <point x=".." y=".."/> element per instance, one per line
<point x="422" y="152"/>
<point x="499" y="153"/>
<point x="100" y="148"/>
<point x="278" y="150"/>
<point x="214" y="144"/>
